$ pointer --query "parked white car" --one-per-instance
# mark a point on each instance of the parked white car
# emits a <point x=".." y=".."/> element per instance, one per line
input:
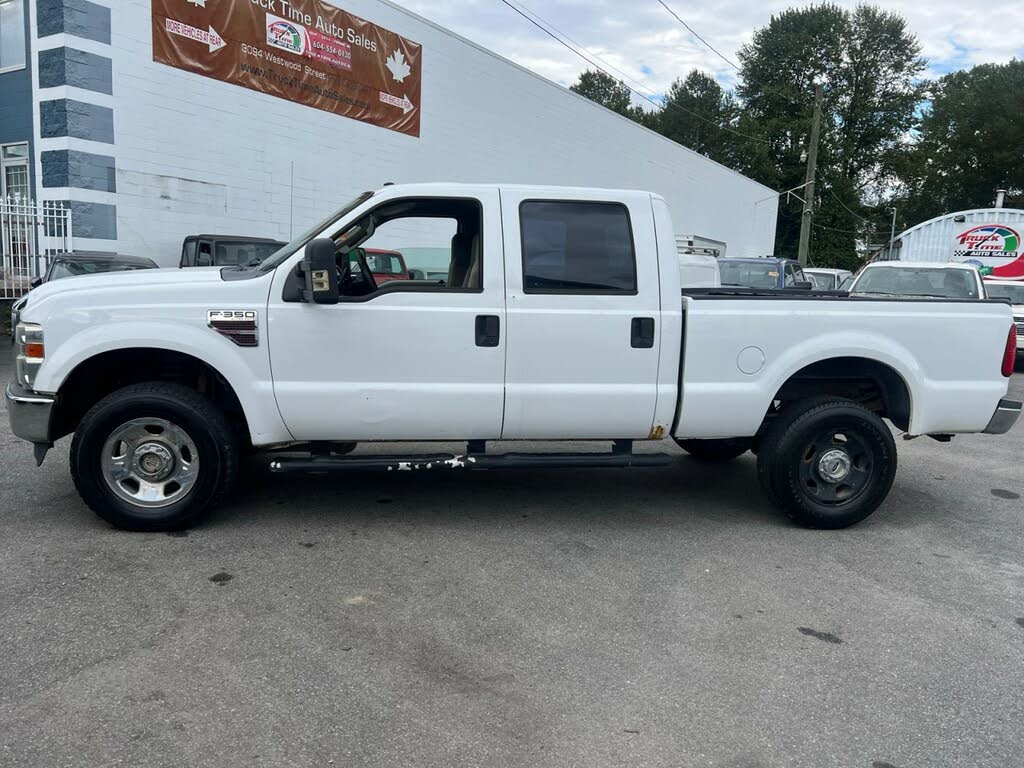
<point x="1012" y="290"/>
<point x="560" y="318"/>
<point x="919" y="278"/>
<point x="826" y="279"/>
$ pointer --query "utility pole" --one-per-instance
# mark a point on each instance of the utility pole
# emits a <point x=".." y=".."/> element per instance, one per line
<point x="812" y="161"/>
<point x="892" y="229"/>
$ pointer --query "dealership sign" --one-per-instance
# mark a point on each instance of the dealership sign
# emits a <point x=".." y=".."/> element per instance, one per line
<point x="995" y="246"/>
<point x="306" y="51"/>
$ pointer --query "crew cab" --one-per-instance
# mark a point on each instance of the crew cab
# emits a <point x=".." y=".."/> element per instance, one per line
<point x="765" y="272"/>
<point x="561" y="317"/>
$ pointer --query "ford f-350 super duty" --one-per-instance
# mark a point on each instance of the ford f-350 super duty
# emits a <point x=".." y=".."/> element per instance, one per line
<point x="561" y="318"/>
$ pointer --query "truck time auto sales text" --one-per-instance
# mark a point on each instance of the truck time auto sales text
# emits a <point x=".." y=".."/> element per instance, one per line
<point x="287" y="10"/>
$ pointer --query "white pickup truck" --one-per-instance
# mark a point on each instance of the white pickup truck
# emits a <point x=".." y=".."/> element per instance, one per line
<point x="561" y="318"/>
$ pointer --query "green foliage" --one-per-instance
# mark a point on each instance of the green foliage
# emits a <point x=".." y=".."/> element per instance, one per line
<point x="869" y="64"/>
<point x="605" y="90"/>
<point x="970" y="143"/>
<point x="880" y="134"/>
<point x="694" y="107"/>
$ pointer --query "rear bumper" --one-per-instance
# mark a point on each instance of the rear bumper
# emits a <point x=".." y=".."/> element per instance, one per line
<point x="29" y="414"/>
<point x="1004" y="418"/>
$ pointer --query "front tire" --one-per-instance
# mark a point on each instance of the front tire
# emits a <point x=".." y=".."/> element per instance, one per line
<point x="725" y="449"/>
<point x="153" y="457"/>
<point x="827" y="462"/>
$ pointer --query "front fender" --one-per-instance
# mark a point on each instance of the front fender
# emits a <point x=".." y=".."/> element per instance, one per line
<point x="247" y="370"/>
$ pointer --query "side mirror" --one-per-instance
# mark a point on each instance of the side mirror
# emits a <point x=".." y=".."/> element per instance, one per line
<point x="321" y="272"/>
<point x="804" y="284"/>
<point x="35" y="282"/>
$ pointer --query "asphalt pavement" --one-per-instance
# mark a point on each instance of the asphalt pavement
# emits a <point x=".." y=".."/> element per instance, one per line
<point x="661" y="616"/>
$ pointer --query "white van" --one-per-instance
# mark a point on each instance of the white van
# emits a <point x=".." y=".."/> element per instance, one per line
<point x="698" y="261"/>
<point x="698" y="270"/>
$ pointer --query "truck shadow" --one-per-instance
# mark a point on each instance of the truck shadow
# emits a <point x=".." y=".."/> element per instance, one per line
<point x="682" y="491"/>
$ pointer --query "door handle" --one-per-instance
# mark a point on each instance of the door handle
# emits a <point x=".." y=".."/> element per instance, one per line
<point x="641" y="333"/>
<point x="488" y="330"/>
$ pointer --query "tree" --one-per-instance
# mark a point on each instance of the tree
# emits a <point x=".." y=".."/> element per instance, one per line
<point x="605" y="90"/>
<point x="869" y="64"/>
<point x="694" y="108"/>
<point x="969" y="143"/>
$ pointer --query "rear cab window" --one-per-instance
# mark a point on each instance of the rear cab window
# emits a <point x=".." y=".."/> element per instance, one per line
<point x="577" y="247"/>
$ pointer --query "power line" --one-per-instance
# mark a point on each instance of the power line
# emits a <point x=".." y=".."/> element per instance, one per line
<point x="579" y="45"/>
<point x="718" y="53"/>
<point x="844" y="231"/>
<point x="693" y="32"/>
<point x="851" y="212"/>
<point x="785" y="96"/>
<point x="639" y="93"/>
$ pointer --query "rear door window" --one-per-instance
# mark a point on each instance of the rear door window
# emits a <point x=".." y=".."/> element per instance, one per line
<point x="577" y="247"/>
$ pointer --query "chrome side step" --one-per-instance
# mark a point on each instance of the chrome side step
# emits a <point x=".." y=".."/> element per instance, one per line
<point x="443" y="461"/>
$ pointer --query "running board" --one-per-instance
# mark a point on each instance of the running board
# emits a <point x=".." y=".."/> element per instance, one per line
<point x="469" y="461"/>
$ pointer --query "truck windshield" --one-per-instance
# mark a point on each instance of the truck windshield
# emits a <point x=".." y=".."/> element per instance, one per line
<point x="751" y="274"/>
<point x="1015" y="293"/>
<point x="926" y="281"/>
<point x="231" y="254"/>
<point x="283" y="253"/>
<point x="68" y="268"/>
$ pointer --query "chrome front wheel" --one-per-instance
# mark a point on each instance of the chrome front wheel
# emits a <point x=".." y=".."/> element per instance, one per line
<point x="150" y="462"/>
<point x="155" y="456"/>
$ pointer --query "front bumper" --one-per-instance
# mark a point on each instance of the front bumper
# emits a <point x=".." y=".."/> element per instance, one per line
<point x="29" y="414"/>
<point x="1004" y="418"/>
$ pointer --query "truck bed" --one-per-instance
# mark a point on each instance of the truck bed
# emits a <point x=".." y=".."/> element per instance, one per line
<point x="747" y="343"/>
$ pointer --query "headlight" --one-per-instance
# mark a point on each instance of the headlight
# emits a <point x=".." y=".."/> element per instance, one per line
<point x="29" y="351"/>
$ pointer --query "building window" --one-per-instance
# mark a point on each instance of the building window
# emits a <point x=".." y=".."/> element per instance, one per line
<point x="12" y="34"/>
<point x="14" y="172"/>
<point x="577" y="247"/>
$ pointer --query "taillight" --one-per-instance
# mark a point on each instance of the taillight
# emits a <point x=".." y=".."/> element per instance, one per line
<point x="1010" y="353"/>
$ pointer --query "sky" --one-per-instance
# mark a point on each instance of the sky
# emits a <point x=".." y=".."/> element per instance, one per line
<point x="649" y="48"/>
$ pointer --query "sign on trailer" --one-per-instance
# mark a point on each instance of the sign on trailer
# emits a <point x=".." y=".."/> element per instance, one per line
<point x="306" y="51"/>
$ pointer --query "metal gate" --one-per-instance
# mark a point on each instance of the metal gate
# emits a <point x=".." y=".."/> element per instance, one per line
<point x="30" y="232"/>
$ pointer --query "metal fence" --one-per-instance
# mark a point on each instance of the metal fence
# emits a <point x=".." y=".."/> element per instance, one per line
<point x="30" y="233"/>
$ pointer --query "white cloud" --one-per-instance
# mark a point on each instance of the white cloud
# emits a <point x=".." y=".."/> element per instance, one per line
<point x="642" y="40"/>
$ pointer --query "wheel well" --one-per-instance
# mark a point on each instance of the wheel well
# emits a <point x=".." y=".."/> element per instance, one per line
<point x="874" y="385"/>
<point x="107" y="372"/>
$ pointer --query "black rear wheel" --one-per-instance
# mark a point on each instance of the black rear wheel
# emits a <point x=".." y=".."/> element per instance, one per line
<point x="827" y="462"/>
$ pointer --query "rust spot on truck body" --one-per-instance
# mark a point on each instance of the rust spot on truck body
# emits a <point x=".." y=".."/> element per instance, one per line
<point x="657" y="432"/>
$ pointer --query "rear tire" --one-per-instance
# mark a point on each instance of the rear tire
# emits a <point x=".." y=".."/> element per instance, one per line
<point x="724" y="449"/>
<point x="827" y="462"/>
<point x="153" y="457"/>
